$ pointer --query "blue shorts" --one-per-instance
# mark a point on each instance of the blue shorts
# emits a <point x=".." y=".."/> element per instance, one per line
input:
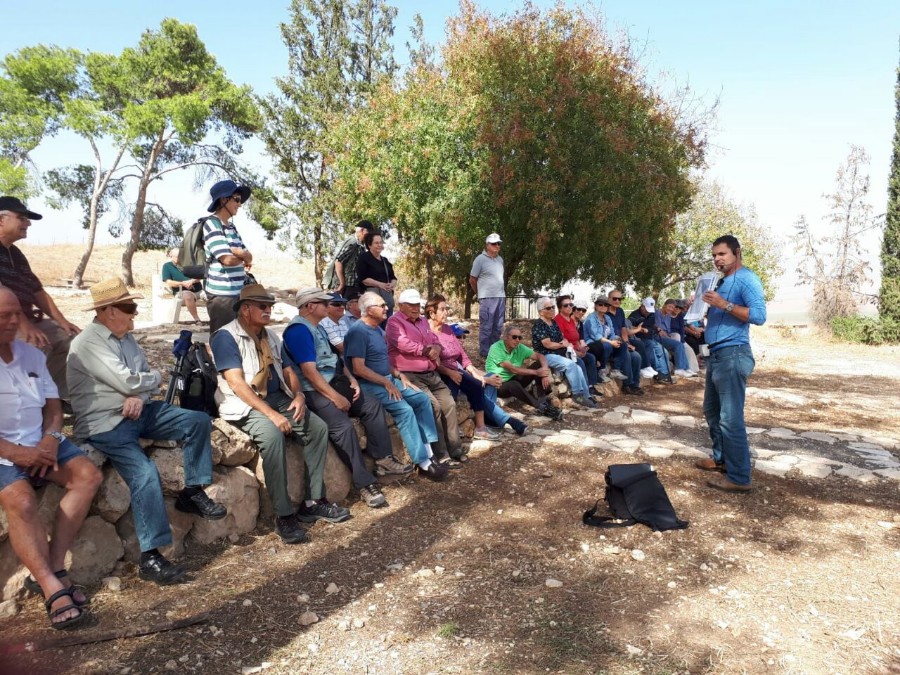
<point x="10" y="474"/>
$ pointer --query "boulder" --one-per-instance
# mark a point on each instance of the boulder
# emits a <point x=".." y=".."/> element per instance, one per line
<point x="95" y="552"/>
<point x="170" y="464"/>
<point x="12" y="573"/>
<point x="237" y="489"/>
<point x="113" y="498"/>
<point x="467" y="429"/>
<point x="48" y="502"/>
<point x="230" y="445"/>
<point x="93" y="454"/>
<point x="4" y="526"/>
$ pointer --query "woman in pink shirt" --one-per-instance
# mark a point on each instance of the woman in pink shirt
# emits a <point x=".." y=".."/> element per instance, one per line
<point x="459" y="374"/>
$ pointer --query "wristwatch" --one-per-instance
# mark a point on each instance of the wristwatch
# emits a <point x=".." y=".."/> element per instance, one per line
<point x="729" y="307"/>
<point x="57" y="435"/>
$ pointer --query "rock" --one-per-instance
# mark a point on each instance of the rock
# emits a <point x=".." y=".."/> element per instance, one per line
<point x="638" y="554"/>
<point x="611" y="550"/>
<point x="237" y="489"/>
<point x="614" y="417"/>
<point x="333" y="588"/>
<point x="308" y="618"/>
<point x="693" y="453"/>
<point x="553" y="583"/>
<point x="171" y="664"/>
<point x="424" y="573"/>
<point x="771" y="467"/>
<point x="343" y="625"/>
<point x="854" y="472"/>
<point x="623" y="409"/>
<point x="779" y="432"/>
<point x="8" y="608"/>
<point x="230" y="445"/>
<point x="180" y="524"/>
<point x="683" y="421"/>
<point x="818" y="436"/>
<point x="561" y="439"/>
<point x="4" y="526"/>
<point x="882" y="441"/>
<point x="790" y="460"/>
<point x="657" y="452"/>
<point x="598" y="443"/>
<point x="97" y="458"/>
<point x="48" y="503"/>
<point x="532" y="439"/>
<point x="95" y="552"/>
<point x="543" y="432"/>
<point x="633" y="651"/>
<point x="463" y="411"/>
<point x="814" y="470"/>
<point x="467" y="428"/>
<point x="303" y="598"/>
<point x="627" y="445"/>
<point x="170" y="464"/>
<point x="888" y="473"/>
<point x="647" y="417"/>
<point x="866" y="446"/>
<point x="752" y="431"/>
<point x="113" y="498"/>
<point x="113" y="584"/>
<point x="359" y="623"/>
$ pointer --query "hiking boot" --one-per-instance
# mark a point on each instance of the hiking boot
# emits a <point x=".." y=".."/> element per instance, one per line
<point x="435" y="472"/>
<point x="663" y="379"/>
<point x="722" y="483"/>
<point x="709" y="464"/>
<point x="200" y="505"/>
<point x="322" y="510"/>
<point x="389" y="466"/>
<point x="617" y="374"/>
<point x="373" y="496"/>
<point x="289" y="530"/>
<point x="585" y="402"/>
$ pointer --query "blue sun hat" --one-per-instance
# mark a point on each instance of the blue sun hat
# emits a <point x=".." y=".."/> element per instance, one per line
<point x="226" y="188"/>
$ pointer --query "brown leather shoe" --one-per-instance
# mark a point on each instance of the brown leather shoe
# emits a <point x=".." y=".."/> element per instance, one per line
<point x="722" y="483"/>
<point x="709" y="464"/>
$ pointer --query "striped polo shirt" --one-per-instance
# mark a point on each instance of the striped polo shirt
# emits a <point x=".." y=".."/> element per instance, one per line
<point x="219" y="239"/>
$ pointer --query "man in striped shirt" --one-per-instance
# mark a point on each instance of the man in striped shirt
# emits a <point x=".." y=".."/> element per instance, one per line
<point x="225" y="248"/>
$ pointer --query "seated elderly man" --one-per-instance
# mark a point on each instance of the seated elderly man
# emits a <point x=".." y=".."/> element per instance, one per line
<point x="333" y="394"/>
<point x="33" y="452"/>
<point x="547" y="339"/>
<point x="507" y="358"/>
<point x="181" y="285"/>
<point x="416" y="352"/>
<point x="111" y="382"/>
<point x="261" y="396"/>
<point x="337" y="322"/>
<point x="647" y="316"/>
<point x="365" y="350"/>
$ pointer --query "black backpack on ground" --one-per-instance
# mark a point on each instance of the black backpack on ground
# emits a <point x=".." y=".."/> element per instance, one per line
<point x="635" y="495"/>
<point x="195" y="381"/>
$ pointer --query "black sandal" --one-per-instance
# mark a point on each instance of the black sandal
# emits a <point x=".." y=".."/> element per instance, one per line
<point x="53" y="613"/>
<point x="32" y="585"/>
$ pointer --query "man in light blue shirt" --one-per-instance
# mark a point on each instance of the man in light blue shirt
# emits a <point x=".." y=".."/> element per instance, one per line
<point x="738" y="301"/>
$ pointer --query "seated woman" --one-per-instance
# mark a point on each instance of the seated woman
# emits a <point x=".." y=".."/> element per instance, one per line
<point x="547" y="339"/>
<point x="181" y="285"/>
<point x="600" y="336"/>
<point x="568" y="326"/>
<point x="375" y="272"/>
<point x="458" y="373"/>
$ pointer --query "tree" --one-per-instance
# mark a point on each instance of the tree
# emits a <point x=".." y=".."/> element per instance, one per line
<point x="337" y="51"/>
<point x="36" y="82"/>
<point x="538" y="127"/>
<point x="170" y="94"/>
<point x="835" y="264"/>
<point x="889" y="297"/>
<point x="711" y="214"/>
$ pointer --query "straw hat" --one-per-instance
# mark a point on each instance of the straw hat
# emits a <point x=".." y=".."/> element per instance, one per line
<point x="110" y="292"/>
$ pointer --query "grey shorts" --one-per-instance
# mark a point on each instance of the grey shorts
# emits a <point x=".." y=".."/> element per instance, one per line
<point x="10" y="474"/>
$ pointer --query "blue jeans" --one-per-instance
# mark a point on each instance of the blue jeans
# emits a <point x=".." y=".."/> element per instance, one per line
<point x="658" y="358"/>
<point x="161" y="422"/>
<point x="494" y="415"/>
<point x="491" y="313"/>
<point x="412" y="414"/>
<point x="588" y="365"/>
<point x="677" y="349"/>
<point x="572" y="371"/>
<point x="727" y="370"/>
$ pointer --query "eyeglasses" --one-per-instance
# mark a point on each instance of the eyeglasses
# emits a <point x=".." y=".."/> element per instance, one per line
<point x="495" y="243"/>
<point x="127" y="307"/>
<point x="335" y="304"/>
<point x="515" y="337"/>
<point x="261" y="305"/>
<point x="383" y="305"/>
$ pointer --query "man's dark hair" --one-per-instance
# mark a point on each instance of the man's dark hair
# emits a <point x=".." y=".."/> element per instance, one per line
<point x="560" y="299"/>
<point x="366" y="225"/>
<point x="370" y="237"/>
<point x="730" y="241"/>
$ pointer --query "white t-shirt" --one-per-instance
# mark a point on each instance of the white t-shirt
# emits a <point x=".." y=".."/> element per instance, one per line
<point x="25" y="386"/>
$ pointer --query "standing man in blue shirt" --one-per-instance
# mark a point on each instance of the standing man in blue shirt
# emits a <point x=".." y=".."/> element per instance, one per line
<point x="486" y="279"/>
<point x="738" y="301"/>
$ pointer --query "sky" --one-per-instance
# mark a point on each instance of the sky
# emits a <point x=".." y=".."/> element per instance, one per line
<point x="797" y="83"/>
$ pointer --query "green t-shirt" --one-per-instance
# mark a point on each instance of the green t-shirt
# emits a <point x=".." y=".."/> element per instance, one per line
<point x="498" y="354"/>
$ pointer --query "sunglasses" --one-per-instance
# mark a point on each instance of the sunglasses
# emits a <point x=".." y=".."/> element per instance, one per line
<point x="515" y="337"/>
<point x="567" y="304"/>
<point x="261" y="305"/>
<point x="615" y="299"/>
<point x="236" y="198"/>
<point x="127" y="307"/>
<point x="580" y="309"/>
<point x="335" y="304"/>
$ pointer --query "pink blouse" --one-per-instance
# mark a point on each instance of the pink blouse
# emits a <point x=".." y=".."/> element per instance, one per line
<point x="452" y="353"/>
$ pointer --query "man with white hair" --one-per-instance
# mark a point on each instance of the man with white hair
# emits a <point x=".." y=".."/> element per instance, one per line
<point x="487" y="281"/>
<point x="181" y="285"/>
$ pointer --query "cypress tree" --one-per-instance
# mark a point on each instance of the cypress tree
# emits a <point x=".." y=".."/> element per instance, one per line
<point x="889" y="298"/>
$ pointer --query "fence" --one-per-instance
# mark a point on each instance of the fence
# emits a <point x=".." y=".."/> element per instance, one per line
<point x="521" y="307"/>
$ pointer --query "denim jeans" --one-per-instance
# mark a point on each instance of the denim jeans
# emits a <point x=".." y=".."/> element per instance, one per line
<point x="161" y="422"/>
<point x="677" y="349"/>
<point x="491" y="312"/>
<point x="588" y="365"/>
<point x="727" y="370"/>
<point x="412" y="414"/>
<point x="602" y="351"/>
<point x="572" y="371"/>
<point x="494" y="415"/>
<point x="658" y="358"/>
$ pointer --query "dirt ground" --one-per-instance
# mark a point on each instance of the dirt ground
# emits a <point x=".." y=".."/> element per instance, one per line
<point x="799" y="576"/>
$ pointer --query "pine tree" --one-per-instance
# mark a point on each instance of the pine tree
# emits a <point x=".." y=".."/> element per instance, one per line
<point x="889" y="298"/>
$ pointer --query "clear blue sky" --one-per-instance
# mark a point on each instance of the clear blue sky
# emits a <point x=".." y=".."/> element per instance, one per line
<point x="798" y="82"/>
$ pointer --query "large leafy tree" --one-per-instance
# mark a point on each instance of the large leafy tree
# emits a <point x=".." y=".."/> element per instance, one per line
<point x="712" y="214"/>
<point x="337" y="51"/>
<point x="889" y="297"/>
<point x="536" y="126"/>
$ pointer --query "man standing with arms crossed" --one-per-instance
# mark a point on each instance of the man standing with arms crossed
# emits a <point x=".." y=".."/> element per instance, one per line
<point x="738" y="301"/>
<point x="486" y="280"/>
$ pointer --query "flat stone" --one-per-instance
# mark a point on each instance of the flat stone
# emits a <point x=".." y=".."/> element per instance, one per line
<point x="752" y="431"/>
<point x="893" y="474"/>
<point x="657" y="451"/>
<point x="780" y="432"/>
<point x="762" y="453"/>
<point x="534" y="439"/>
<point x="854" y="472"/>
<point x="561" y="439"/>
<point x="612" y="438"/>
<point x="598" y="443"/>
<point x="583" y="413"/>
<point x="617" y="418"/>
<point x="479" y="444"/>
<point x="628" y="445"/>
<point x="845" y="437"/>
<point x="865" y="446"/>
<point x="874" y="454"/>
<point x="647" y="417"/>
<point x="777" y="395"/>
<point x="814" y="470"/>
<point x="544" y="432"/>
<point x="683" y="421"/>
<point x="790" y="460"/>
<point x="624" y="409"/>
<point x="818" y="436"/>
<point x="882" y="463"/>
<point x="691" y="452"/>
<point x="773" y="468"/>
<point x="884" y="441"/>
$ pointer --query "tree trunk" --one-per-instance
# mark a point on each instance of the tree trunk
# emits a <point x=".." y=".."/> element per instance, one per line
<point x="467" y="310"/>
<point x="318" y="257"/>
<point x="137" y="219"/>
<point x="429" y="275"/>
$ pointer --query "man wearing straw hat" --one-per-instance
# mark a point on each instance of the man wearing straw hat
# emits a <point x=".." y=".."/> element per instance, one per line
<point x="111" y="383"/>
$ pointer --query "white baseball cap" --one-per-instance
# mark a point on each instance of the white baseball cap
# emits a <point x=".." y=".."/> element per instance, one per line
<point x="410" y="297"/>
<point x="493" y="238"/>
<point x="649" y="304"/>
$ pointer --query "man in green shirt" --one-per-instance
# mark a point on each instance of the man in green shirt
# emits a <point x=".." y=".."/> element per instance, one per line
<point x="507" y="358"/>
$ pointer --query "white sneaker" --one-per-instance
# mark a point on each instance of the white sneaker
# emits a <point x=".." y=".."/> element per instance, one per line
<point x="617" y="375"/>
<point x="647" y="372"/>
<point x="685" y="373"/>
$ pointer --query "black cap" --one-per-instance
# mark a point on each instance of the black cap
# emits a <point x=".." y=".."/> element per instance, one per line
<point x="16" y="206"/>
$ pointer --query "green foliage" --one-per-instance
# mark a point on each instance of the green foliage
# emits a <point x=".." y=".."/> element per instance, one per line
<point x="337" y="51"/>
<point x="867" y="330"/>
<point x="889" y="297"/>
<point x="448" y="630"/>
<point x="713" y="214"/>
<point x="535" y="126"/>
<point x="76" y="184"/>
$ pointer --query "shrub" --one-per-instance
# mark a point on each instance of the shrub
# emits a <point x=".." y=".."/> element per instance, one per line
<point x="866" y="330"/>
